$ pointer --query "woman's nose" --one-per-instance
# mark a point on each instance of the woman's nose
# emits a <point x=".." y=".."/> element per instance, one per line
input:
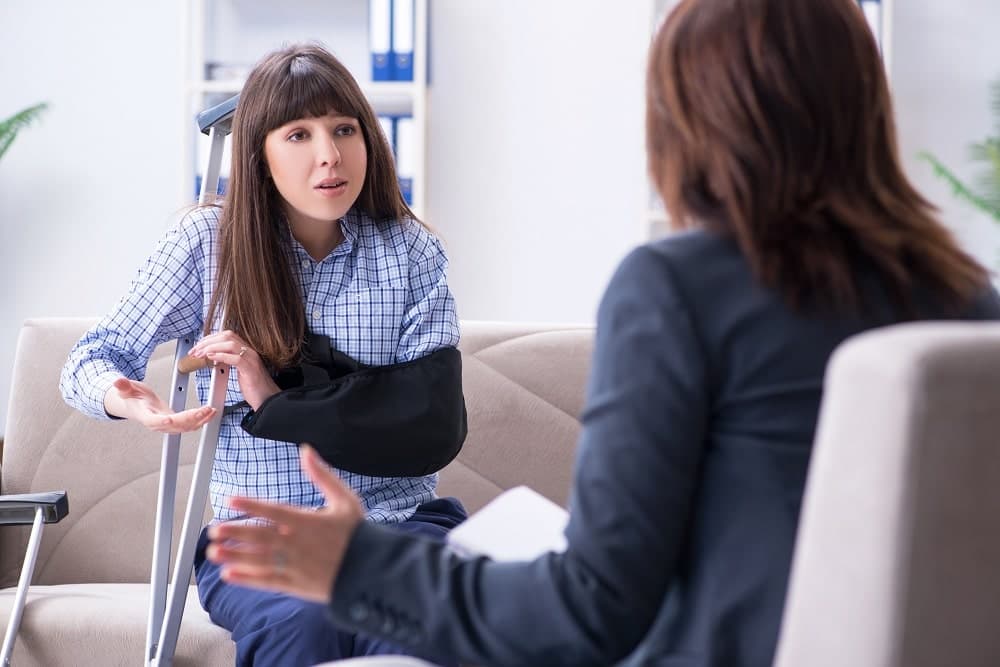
<point x="328" y="155"/>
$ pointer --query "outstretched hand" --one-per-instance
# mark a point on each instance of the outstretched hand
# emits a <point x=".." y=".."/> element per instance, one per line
<point x="137" y="401"/>
<point x="300" y="550"/>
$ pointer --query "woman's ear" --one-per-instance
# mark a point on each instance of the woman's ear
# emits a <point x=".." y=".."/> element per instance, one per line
<point x="265" y="170"/>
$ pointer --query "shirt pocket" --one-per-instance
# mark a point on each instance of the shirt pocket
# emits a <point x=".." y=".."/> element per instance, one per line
<point x="366" y="323"/>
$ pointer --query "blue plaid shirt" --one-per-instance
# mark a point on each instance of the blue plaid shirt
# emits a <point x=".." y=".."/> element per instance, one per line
<point x="380" y="296"/>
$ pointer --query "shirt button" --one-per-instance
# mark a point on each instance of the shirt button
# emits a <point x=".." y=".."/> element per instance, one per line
<point x="315" y="314"/>
<point x="305" y="264"/>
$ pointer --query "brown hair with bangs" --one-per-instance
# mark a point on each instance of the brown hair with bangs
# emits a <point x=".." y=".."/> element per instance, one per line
<point x="256" y="287"/>
<point x="771" y="121"/>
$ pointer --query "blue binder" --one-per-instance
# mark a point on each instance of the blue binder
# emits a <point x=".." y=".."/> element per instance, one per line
<point x="380" y="38"/>
<point x="220" y="190"/>
<point x="405" y="158"/>
<point x="402" y="39"/>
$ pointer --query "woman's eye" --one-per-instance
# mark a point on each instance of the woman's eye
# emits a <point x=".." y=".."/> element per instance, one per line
<point x="297" y="135"/>
<point x="346" y="130"/>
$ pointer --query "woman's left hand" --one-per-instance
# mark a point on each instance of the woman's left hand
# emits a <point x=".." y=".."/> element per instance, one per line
<point x="228" y="348"/>
<point x="300" y="550"/>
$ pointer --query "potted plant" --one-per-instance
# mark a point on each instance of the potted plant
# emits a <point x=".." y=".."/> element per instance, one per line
<point x="985" y="193"/>
<point x="9" y="127"/>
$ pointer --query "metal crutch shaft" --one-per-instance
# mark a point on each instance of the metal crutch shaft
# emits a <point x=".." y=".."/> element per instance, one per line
<point x="166" y="497"/>
<point x="184" y="560"/>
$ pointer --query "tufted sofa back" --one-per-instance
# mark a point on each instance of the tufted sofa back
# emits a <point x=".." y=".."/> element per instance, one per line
<point x="524" y="387"/>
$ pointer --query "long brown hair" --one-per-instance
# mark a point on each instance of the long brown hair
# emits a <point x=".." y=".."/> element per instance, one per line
<point x="771" y="121"/>
<point x="255" y="286"/>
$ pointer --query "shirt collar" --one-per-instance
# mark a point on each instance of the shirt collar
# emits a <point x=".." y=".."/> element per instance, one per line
<point x="349" y="226"/>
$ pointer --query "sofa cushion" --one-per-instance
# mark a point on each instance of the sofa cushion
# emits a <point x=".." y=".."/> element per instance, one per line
<point x="105" y="624"/>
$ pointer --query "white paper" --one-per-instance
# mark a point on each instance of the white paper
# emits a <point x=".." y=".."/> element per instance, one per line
<point x="519" y="524"/>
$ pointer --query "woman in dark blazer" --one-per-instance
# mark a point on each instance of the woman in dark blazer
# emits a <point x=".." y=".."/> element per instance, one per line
<point x="771" y="140"/>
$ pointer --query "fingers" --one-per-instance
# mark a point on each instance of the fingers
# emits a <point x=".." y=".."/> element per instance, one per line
<point x="244" y="532"/>
<point x="272" y="569"/>
<point x="267" y="579"/>
<point x="281" y="514"/>
<point x="228" y="358"/>
<point x="224" y="342"/>
<point x="181" y="422"/>
<point x="226" y="335"/>
<point x="246" y="556"/>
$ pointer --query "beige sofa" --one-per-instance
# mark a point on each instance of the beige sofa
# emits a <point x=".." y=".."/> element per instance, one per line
<point x="524" y="386"/>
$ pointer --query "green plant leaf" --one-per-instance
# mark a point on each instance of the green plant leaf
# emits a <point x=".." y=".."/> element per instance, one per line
<point x="988" y="182"/>
<point x="9" y="127"/>
<point x="960" y="189"/>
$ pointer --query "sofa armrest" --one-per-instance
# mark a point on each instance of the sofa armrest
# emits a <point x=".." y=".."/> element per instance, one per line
<point x="21" y="508"/>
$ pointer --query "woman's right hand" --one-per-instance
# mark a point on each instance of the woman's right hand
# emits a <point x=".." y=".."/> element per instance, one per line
<point x="136" y="400"/>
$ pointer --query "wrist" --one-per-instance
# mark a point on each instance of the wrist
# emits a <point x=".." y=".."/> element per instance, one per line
<point x="114" y="405"/>
<point x="259" y="388"/>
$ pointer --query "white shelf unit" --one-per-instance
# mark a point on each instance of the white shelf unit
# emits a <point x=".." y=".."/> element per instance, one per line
<point x="655" y="222"/>
<point x="229" y="36"/>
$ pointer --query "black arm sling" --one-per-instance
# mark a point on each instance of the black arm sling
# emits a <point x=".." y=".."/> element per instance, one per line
<point x="401" y="420"/>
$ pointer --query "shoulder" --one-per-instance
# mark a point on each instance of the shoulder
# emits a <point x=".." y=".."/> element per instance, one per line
<point x="405" y="238"/>
<point x="199" y="227"/>
<point x="687" y="268"/>
<point x="694" y="247"/>
<point x="985" y="305"/>
<point x="418" y="241"/>
<point x="665" y="268"/>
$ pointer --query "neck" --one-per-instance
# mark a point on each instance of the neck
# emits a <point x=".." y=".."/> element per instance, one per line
<point x="318" y="239"/>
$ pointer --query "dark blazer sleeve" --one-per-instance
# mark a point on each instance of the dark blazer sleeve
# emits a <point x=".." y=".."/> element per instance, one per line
<point x="639" y="454"/>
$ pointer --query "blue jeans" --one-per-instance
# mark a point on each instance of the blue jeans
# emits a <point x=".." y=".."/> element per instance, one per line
<point x="272" y="629"/>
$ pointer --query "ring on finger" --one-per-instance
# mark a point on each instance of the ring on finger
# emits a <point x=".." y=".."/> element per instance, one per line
<point x="280" y="560"/>
<point x="243" y="349"/>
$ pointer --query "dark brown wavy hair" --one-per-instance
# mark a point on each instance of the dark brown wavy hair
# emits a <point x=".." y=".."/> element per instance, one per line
<point x="256" y="287"/>
<point x="771" y="121"/>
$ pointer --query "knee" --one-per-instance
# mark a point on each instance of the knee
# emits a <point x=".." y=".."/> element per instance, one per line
<point x="289" y="632"/>
<point x="296" y="617"/>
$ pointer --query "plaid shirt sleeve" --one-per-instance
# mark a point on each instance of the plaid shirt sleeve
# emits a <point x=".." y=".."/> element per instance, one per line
<point x="430" y="321"/>
<point x="164" y="302"/>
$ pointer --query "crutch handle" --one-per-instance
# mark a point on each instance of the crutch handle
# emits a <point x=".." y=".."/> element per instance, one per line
<point x="191" y="364"/>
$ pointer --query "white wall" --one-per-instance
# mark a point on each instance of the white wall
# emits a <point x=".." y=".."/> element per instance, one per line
<point x="537" y="178"/>
<point x="945" y="54"/>
<point x="85" y="193"/>
<point x="537" y="172"/>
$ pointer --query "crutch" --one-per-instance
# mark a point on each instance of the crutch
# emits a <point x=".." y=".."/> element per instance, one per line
<point x="161" y="637"/>
<point x="36" y="509"/>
